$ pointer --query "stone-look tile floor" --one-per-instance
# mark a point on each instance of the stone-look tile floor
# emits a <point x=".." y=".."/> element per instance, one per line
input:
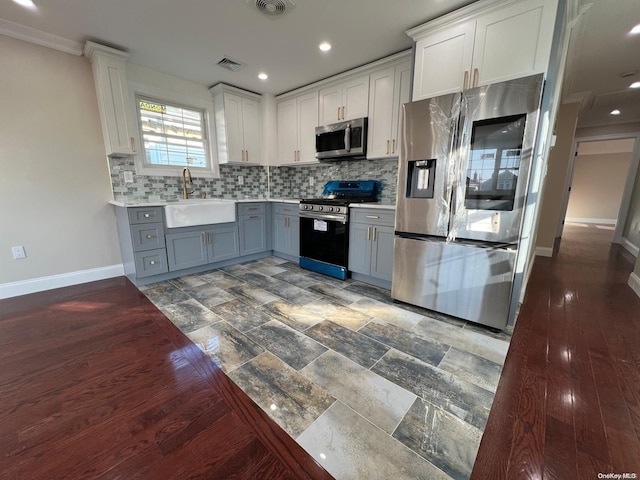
<point x="371" y="388"/>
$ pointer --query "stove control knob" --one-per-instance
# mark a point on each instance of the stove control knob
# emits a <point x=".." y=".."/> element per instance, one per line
<point x="337" y="209"/>
<point x="331" y="209"/>
<point x="305" y="207"/>
<point x="321" y="208"/>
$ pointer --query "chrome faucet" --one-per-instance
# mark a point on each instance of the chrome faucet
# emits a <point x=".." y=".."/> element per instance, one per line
<point x="185" y="192"/>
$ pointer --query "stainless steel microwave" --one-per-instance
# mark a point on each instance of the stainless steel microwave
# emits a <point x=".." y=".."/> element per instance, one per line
<point x="342" y="140"/>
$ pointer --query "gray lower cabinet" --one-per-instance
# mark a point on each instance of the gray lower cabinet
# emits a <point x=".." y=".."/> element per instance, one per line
<point x="371" y="243"/>
<point x="252" y="225"/>
<point x="193" y="247"/>
<point x="286" y="229"/>
<point x="142" y="241"/>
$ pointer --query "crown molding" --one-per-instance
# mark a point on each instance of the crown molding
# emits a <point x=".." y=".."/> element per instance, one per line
<point x="49" y="40"/>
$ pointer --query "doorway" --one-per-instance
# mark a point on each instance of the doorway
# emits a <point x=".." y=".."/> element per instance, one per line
<point x="602" y="190"/>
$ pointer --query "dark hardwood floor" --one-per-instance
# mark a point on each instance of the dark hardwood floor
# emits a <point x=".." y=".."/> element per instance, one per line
<point x="96" y="383"/>
<point x="568" y="402"/>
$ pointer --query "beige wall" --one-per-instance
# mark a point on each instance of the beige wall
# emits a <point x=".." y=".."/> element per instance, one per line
<point x="54" y="185"/>
<point x="597" y="186"/>
<point x="554" y="182"/>
<point x="631" y="230"/>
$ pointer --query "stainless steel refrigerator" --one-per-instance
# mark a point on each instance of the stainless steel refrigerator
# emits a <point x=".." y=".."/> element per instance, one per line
<point x="462" y="179"/>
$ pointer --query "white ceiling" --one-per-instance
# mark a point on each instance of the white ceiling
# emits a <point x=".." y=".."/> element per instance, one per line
<point x="187" y="38"/>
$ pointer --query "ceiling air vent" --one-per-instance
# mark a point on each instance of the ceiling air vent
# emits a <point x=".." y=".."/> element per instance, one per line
<point x="230" y="64"/>
<point x="273" y="8"/>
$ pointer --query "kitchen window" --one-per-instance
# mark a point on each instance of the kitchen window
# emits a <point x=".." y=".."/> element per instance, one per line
<point x="172" y="135"/>
<point x="174" y="132"/>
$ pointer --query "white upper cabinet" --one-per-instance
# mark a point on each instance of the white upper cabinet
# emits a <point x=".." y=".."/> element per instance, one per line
<point x="110" y="77"/>
<point x="297" y="121"/>
<point x="389" y="89"/>
<point x="344" y="101"/>
<point x="443" y="60"/>
<point x="494" y="42"/>
<point x="238" y="125"/>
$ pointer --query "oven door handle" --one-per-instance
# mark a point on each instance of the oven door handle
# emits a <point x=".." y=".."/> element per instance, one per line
<point x="324" y="216"/>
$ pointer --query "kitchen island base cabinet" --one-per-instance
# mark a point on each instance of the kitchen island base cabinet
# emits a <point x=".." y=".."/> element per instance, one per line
<point x="194" y="247"/>
<point x="371" y="246"/>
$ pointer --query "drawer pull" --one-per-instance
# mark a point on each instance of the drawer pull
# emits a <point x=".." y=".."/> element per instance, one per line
<point x="149" y="237"/>
<point x="147" y="215"/>
<point x="253" y="208"/>
<point x="373" y="216"/>
<point x="152" y="262"/>
<point x="254" y="216"/>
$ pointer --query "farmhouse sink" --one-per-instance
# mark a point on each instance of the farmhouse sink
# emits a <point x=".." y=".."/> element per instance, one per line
<point x="188" y="213"/>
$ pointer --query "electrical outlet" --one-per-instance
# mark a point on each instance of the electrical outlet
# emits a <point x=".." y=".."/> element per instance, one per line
<point x="311" y="181"/>
<point x="128" y="177"/>
<point x="18" y="252"/>
<point x="240" y="180"/>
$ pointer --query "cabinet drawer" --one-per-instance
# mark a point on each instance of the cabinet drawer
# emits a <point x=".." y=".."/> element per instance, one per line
<point x="377" y="217"/>
<point x="286" y="208"/>
<point x="145" y="215"/>
<point x="250" y="208"/>
<point x="147" y="236"/>
<point x="151" y="262"/>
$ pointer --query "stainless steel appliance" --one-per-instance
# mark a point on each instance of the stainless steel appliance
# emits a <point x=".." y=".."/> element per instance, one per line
<point x="342" y="140"/>
<point x="324" y="225"/>
<point x="462" y="179"/>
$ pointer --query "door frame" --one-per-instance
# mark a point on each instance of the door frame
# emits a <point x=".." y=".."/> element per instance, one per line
<point x="628" y="187"/>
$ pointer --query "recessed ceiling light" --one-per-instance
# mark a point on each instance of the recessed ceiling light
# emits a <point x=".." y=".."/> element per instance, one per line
<point x="633" y="31"/>
<point x="635" y="85"/>
<point x="615" y="112"/>
<point x="325" y="46"/>
<point x="263" y="76"/>
<point x="26" y="3"/>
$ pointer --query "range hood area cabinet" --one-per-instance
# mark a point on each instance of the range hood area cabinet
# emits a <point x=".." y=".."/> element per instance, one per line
<point x="110" y="78"/>
<point x="485" y="43"/>
<point x="345" y="100"/>
<point x="297" y="121"/>
<point x="238" y="117"/>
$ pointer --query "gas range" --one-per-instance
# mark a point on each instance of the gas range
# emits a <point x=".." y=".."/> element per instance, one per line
<point x="324" y="225"/>
<point x="338" y="194"/>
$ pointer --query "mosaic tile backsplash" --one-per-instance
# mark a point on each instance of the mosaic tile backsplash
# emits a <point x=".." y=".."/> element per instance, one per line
<point x="258" y="181"/>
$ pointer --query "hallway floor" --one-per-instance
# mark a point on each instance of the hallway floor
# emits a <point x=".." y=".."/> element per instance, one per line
<point x="568" y="402"/>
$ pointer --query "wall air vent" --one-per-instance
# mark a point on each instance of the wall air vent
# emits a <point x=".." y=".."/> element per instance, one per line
<point x="273" y="8"/>
<point x="229" y="64"/>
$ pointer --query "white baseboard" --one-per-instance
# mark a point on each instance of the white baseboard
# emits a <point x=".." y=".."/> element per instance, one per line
<point x="629" y="247"/>
<point x="634" y="283"/>
<point x="23" y="287"/>
<point x="544" y="251"/>
<point x="601" y="221"/>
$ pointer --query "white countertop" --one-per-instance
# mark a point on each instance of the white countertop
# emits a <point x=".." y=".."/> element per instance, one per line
<point x="379" y="206"/>
<point x="161" y="203"/>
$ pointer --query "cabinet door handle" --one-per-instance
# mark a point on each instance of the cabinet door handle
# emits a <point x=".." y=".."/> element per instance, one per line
<point x="375" y="231"/>
<point x="465" y="80"/>
<point x="209" y="238"/>
<point x="149" y="237"/>
<point x="368" y="233"/>
<point x="393" y="148"/>
<point x="298" y="155"/>
<point x="133" y="145"/>
<point x="152" y="262"/>
<point x="387" y="147"/>
<point x="204" y="238"/>
<point x="247" y="153"/>
<point x="475" y="77"/>
<point x="343" y="112"/>
<point x="373" y="216"/>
